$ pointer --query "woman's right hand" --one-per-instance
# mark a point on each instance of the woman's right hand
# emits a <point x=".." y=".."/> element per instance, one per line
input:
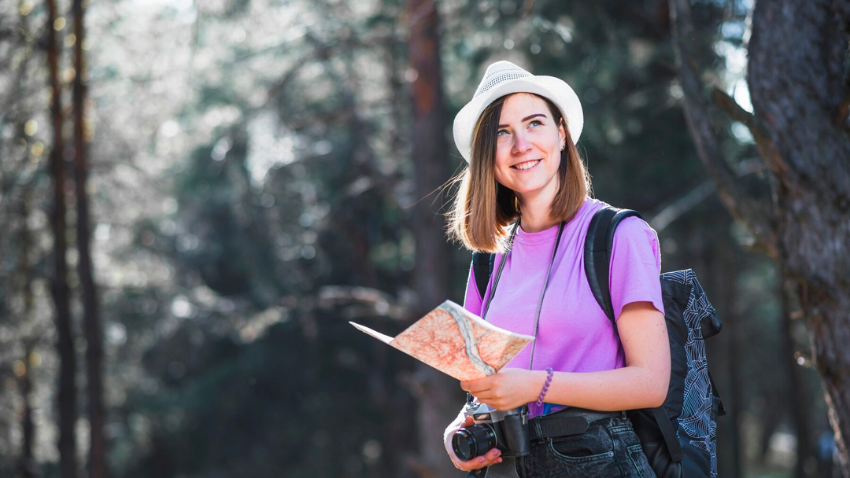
<point x="490" y="458"/>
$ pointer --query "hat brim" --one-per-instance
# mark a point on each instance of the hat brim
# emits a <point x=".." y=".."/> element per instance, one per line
<point x="551" y="88"/>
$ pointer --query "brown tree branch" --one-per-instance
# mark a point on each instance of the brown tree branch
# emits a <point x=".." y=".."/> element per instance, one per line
<point x="670" y="213"/>
<point x="767" y="149"/>
<point x="754" y="214"/>
<point x="736" y="112"/>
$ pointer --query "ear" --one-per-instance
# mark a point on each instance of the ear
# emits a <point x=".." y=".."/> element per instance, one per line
<point x="562" y="131"/>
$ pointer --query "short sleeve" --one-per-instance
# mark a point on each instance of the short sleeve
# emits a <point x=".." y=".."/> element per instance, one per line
<point x="472" y="299"/>
<point x="635" y="266"/>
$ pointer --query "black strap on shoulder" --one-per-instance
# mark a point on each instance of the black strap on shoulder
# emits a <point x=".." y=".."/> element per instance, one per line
<point x="482" y="269"/>
<point x="598" y="245"/>
<point x="596" y="259"/>
<point x="597" y="254"/>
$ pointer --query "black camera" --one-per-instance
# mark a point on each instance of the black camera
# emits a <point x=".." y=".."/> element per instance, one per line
<point x="505" y="430"/>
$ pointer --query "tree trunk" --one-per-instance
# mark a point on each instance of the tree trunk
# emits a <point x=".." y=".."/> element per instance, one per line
<point x="396" y="432"/>
<point x="91" y="319"/>
<point x="796" y="392"/>
<point x="433" y="255"/>
<point x="797" y="96"/>
<point x="67" y="398"/>
<point x="801" y="96"/>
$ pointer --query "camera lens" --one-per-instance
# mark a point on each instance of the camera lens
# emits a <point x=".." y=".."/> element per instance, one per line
<point x="473" y="441"/>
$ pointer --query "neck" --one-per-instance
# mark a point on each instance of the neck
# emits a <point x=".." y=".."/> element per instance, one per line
<point x="535" y="213"/>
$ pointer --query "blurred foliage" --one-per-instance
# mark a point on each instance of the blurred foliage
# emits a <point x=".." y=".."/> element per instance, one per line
<point x="252" y="189"/>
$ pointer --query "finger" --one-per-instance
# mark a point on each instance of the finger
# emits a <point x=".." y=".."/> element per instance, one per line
<point x="485" y="394"/>
<point x="473" y="387"/>
<point x="488" y="459"/>
<point x="475" y="384"/>
<point x="478" y="388"/>
<point x="475" y="464"/>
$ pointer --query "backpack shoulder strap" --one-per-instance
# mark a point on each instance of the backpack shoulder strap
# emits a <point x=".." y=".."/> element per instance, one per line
<point x="597" y="253"/>
<point x="597" y="258"/>
<point x="482" y="269"/>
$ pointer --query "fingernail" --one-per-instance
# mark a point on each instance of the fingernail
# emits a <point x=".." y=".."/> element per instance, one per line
<point x="481" y="459"/>
<point x="499" y="460"/>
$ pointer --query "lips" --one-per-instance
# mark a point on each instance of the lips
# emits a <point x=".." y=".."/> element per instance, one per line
<point x="526" y="165"/>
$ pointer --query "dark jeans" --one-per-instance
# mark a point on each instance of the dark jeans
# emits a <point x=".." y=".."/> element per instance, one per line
<point x="608" y="449"/>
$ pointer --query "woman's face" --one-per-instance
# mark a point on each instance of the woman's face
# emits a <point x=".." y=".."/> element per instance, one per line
<point x="528" y="147"/>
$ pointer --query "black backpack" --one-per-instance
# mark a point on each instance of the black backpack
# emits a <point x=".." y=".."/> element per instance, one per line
<point x="678" y="438"/>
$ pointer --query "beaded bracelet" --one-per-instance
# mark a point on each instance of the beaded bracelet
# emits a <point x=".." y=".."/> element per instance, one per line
<point x="549" y="374"/>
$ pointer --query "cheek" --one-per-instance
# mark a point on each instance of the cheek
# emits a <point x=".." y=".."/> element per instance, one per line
<point x="500" y="177"/>
<point x="557" y="161"/>
<point x="501" y="166"/>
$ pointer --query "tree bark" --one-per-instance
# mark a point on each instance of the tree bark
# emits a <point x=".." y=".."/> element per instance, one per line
<point x="433" y="255"/>
<point x="67" y="398"/>
<point x="91" y="320"/>
<point x="799" y="90"/>
<point x="753" y="213"/>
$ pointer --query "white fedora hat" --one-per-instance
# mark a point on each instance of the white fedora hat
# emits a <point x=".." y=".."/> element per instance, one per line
<point x="504" y="78"/>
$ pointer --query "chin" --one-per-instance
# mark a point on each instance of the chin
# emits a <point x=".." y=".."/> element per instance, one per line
<point x="534" y="186"/>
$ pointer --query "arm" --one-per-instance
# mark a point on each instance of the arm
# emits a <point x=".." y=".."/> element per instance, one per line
<point x="642" y="383"/>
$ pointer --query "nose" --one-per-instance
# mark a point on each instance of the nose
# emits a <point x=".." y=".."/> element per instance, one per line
<point x="521" y="144"/>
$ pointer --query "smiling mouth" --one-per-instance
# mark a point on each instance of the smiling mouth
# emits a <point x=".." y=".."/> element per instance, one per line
<point x="526" y="165"/>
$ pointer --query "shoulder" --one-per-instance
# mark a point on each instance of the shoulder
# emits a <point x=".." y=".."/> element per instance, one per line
<point x="636" y="240"/>
<point x="630" y="226"/>
<point x="633" y="234"/>
<point x="635" y="226"/>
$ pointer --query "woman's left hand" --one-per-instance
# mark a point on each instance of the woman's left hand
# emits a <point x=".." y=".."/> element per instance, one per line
<point x="507" y="389"/>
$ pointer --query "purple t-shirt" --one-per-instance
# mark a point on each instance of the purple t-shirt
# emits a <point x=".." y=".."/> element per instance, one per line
<point x="574" y="334"/>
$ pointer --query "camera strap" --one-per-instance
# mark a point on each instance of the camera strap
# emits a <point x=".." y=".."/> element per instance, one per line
<point x="507" y="469"/>
<point x="545" y="283"/>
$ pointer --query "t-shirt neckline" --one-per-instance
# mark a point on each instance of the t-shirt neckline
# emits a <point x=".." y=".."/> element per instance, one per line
<point x="548" y="236"/>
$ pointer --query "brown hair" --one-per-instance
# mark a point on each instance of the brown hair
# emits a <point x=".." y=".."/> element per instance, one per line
<point x="483" y="208"/>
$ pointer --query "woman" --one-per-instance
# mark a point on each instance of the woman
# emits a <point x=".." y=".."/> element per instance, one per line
<point x="525" y="197"/>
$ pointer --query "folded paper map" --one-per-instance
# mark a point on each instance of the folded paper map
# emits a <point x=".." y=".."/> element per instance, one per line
<point x="456" y="342"/>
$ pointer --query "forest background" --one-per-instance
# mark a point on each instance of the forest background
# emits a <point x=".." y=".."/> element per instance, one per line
<point x="237" y="179"/>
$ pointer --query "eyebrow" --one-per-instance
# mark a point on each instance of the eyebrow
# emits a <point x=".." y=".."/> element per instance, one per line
<point x="525" y="119"/>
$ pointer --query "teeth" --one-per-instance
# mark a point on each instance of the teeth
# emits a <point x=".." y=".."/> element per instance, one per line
<point x="530" y="164"/>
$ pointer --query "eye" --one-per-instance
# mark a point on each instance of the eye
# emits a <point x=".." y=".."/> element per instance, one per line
<point x="499" y="133"/>
<point x="532" y="123"/>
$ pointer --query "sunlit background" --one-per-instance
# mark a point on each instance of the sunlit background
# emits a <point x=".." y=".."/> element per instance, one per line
<point x="252" y="189"/>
